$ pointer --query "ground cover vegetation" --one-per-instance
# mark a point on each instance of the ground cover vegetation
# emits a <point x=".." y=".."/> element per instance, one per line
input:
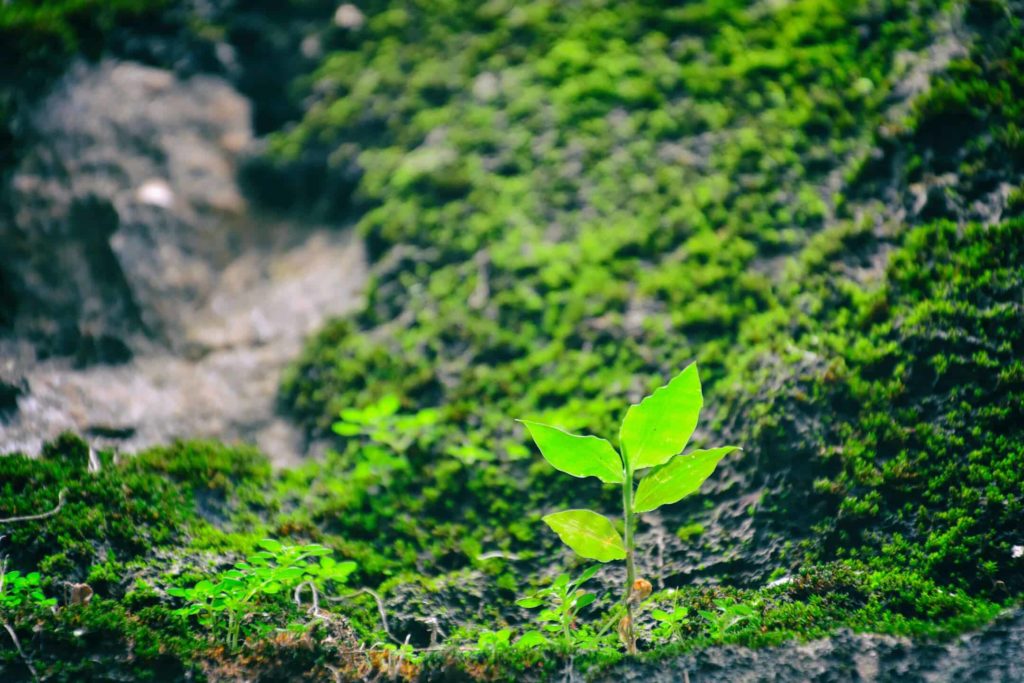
<point x="567" y="203"/>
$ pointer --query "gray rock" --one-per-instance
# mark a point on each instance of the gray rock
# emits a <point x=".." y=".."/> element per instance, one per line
<point x="133" y="252"/>
<point x="993" y="655"/>
<point x="123" y="210"/>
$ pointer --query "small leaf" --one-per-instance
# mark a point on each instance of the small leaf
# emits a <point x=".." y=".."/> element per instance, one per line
<point x="346" y="429"/>
<point x="270" y="544"/>
<point x="660" y="615"/>
<point x="580" y="456"/>
<point x="585" y="600"/>
<point x="531" y="639"/>
<point x="529" y="603"/>
<point x="661" y="425"/>
<point x="587" y="575"/>
<point x="679" y="478"/>
<point x="589" y="534"/>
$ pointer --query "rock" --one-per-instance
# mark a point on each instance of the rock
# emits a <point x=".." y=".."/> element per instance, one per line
<point x="156" y="192"/>
<point x="486" y="86"/>
<point x="348" y="16"/>
<point x="122" y="211"/>
<point x="996" y="653"/>
<point x="148" y="304"/>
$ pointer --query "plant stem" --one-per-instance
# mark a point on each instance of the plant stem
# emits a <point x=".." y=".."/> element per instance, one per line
<point x="627" y="515"/>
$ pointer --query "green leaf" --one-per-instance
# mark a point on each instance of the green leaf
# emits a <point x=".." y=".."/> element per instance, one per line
<point x="580" y="456"/>
<point x="531" y="639"/>
<point x="589" y="534"/>
<point x="346" y="428"/>
<point x="270" y="544"/>
<point x="587" y="575"/>
<point x="585" y="600"/>
<point x="529" y="603"/>
<point x="679" y="478"/>
<point x="661" y="425"/>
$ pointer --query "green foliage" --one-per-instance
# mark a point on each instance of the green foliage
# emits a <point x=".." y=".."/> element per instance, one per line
<point x="653" y="433"/>
<point x="580" y="456"/>
<point x="659" y="427"/>
<point x="589" y="534"/>
<point x="678" y="478"/>
<point x="660" y="423"/>
<point x="672" y="621"/>
<point x="727" y="615"/>
<point x="226" y="603"/>
<point x="565" y="201"/>
<point x="19" y="591"/>
<point x="560" y="605"/>
<point x="381" y="423"/>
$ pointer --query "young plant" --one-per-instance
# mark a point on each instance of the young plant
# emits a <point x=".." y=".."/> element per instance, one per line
<point x="562" y="602"/>
<point x="672" y="621"/>
<point x="381" y="423"/>
<point x="492" y="643"/>
<point x="225" y="603"/>
<point x="729" y="615"/>
<point x="18" y="591"/>
<point x="653" y="434"/>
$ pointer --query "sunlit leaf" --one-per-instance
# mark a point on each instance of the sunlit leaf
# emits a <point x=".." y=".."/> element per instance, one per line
<point x="679" y="478"/>
<point x="580" y="456"/>
<point x="589" y="534"/>
<point x="660" y="426"/>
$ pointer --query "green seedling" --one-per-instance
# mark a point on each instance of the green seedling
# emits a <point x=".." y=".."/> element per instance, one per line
<point x="18" y="591"/>
<point x="492" y="643"/>
<point x="225" y="603"/>
<point x="652" y="436"/>
<point x="728" y="616"/>
<point x="381" y="423"/>
<point x="561" y="603"/>
<point x="672" y="621"/>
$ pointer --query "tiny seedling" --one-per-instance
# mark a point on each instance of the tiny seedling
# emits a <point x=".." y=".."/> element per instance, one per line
<point x="728" y="615"/>
<point x="492" y="643"/>
<point x="381" y="423"/>
<point x="652" y="436"/>
<point x="225" y="603"/>
<point x="19" y="591"/>
<point x="671" y="621"/>
<point x="561" y="603"/>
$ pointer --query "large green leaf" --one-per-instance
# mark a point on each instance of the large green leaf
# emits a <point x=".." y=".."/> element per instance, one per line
<point x="679" y="478"/>
<point x="580" y="456"/>
<point x="591" y="535"/>
<point x="661" y="425"/>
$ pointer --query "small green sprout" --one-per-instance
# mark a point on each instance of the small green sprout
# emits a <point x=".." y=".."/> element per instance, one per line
<point x="225" y="603"/>
<point x="561" y="602"/>
<point x="381" y="423"/>
<point x="653" y="434"/>
<point x="492" y="643"/>
<point x="729" y="615"/>
<point x="19" y="591"/>
<point x="671" y="621"/>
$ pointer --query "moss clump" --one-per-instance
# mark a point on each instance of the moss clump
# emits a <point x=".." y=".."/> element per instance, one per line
<point x="129" y="530"/>
<point x="931" y="464"/>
